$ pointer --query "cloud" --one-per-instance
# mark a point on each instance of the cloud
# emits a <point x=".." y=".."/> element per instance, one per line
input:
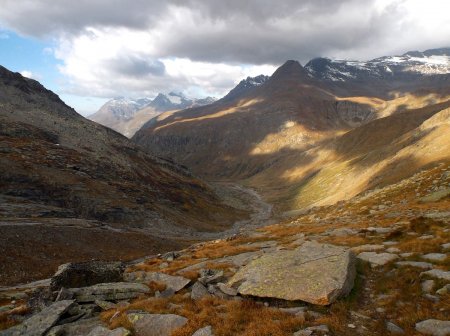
<point x="29" y="74"/>
<point x="109" y="48"/>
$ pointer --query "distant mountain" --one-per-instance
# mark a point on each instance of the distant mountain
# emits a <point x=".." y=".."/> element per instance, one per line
<point x="301" y="136"/>
<point x="413" y="64"/>
<point x="127" y="115"/>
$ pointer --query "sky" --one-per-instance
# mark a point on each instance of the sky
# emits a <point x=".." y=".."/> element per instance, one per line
<point x="89" y="51"/>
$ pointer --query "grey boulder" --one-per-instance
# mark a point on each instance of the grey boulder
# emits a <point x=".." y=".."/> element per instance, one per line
<point x="434" y="327"/>
<point x="315" y="273"/>
<point x="173" y="282"/>
<point x="75" y="275"/>
<point x="155" y="324"/>
<point x="40" y="323"/>
<point x="109" y="292"/>
<point x="206" y="331"/>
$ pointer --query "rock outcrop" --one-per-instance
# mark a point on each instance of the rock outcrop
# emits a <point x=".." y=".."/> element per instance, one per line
<point x="315" y="273"/>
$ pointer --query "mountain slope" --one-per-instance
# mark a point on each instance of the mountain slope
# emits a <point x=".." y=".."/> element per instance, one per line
<point x="126" y="116"/>
<point x="55" y="164"/>
<point x="269" y="137"/>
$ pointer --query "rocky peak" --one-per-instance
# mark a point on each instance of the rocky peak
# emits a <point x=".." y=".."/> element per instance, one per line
<point x="289" y="71"/>
<point x="245" y="85"/>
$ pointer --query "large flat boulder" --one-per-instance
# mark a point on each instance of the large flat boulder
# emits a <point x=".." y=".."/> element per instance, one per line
<point x="171" y="281"/>
<point x="155" y="324"/>
<point x="109" y="292"/>
<point x="434" y="327"/>
<point x="82" y="274"/>
<point x="40" y="323"/>
<point x="315" y="273"/>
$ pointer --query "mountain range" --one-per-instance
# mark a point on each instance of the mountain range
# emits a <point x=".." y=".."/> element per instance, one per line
<point x="126" y="115"/>
<point x="316" y="134"/>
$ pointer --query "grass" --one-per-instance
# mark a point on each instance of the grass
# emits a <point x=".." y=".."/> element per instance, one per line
<point x="227" y="318"/>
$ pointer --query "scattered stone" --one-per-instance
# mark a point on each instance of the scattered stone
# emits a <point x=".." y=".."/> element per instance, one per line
<point x="102" y="331"/>
<point x="174" y="282"/>
<point x="435" y="256"/>
<point x="105" y="305"/>
<point x="171" y="256"/>
<point x="227" y="289"/>
<point x="418" y="264"/>
<point x="406" y="254"/>
<point x="426" y="237"/>
<point x="303" y="332"/>
<point x="377" y="259"/>
<point x="434" y="327"/>
<point x="342" y="232"/>
<point x="109" y="291"/>
<point x="167" y="293"/>
<point x="206" y="331"/>
<point x="40" y="323"/>
<point x="444" y="290"/>
<point x="155" y="324"/>
<point x="351" y="326"/>
<point x="427" y="286"/>
<point x="315" y="273"/>
<point x="379" y="230"/>
<point x="446" y="246"/>
<point x="198" y="291"/>
<point x="83" y="274"/>
<point x="208" y="276"/>
<point x="298" y="311"/>
<point x="367" y="248"/>
<point x="393" y="328"/>
<point x="163" y="265"/>
<point x="79" y="328"/>
<point x="390" y="243"/>
<point x="437" y="273"/>
<point x="393" y="250"/>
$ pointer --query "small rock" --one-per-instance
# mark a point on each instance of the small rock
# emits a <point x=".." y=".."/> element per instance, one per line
<point x="351" y="325"/>
<point x="208" y="276"/>
<point x="226" y="289"/>
<point x="367" y="248"/>
<point x="427" y="286"/>
<point x="390" y="243"/>
<point x="206" y="331"/>
<point x="163" y="265"/>
<point x="109" y="291"/>
<point x="426" y="237"/>
<point x="434" y="327"/>
<point x="198" y="291"/>
<point x="171" y="256"/>
<point x="102" y="331"/>
<point x="167" y="293"/>
<point x="444" y="290"/>
<point x="435" y="256"/>
<point x="155" y="324"/>
<point x="406" y="254"/>
<point x="446" y="246"/>
<point x="377" y="259"/>
<point x="437" y="273"/>
<point x="105" y="305"/>
<point x="174" y="282"/>
<point x="418" y="264"/>
<point x="393" y="250"/>
<point x="393" y="328"/>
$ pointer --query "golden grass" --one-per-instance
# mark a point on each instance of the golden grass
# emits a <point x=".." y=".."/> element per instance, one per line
<point x="227" y="318"/>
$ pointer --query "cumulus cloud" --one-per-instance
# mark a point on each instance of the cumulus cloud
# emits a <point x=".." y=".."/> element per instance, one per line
<point x="29" y="74"/>
<point x="140" y="47"/>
